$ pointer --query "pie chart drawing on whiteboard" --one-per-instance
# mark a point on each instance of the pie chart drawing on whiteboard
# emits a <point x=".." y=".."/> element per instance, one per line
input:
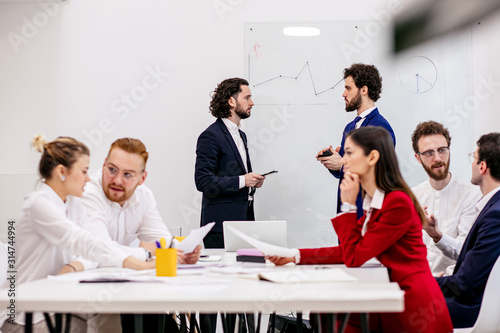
<point x="418" y="74"/>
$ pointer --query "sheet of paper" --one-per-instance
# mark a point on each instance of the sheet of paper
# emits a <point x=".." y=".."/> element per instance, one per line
<point x="210" y="259"/>
<point x="194" y="238"/>
<point x="118" y="274"/>
<point x="307" y="275"/>
<point x="266" y="248"/>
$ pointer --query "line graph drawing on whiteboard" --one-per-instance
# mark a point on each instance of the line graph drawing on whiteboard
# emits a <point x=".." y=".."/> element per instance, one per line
<point x="281" y="76"/>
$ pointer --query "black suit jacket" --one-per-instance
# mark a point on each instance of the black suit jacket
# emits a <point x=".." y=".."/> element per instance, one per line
<point x="464" y="290"/>
<point x="217" y="170"/>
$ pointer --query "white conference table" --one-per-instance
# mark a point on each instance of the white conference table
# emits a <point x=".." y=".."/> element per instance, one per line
<point x="211" y="292"/>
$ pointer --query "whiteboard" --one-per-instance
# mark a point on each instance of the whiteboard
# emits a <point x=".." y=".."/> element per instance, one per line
<point x="296" y="83"/>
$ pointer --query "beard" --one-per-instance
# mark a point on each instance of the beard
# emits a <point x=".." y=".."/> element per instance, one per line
<point x="437" y="175"/>
<point x="118" y="197"/>
<point x="243" y="114"/>
<point x="354" y="104"/>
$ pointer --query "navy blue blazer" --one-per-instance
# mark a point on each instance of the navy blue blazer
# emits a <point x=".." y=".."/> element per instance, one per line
<point x="463" y="291"/>
<point x="217" y="170"/>
<point x="373" y="119"/>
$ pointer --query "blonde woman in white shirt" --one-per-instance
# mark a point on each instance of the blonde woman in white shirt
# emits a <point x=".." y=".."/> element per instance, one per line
<point x="49" y="237"/>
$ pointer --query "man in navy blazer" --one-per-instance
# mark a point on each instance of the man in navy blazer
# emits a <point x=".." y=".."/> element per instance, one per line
<point x="223" y="171"/>
<point x="464" y="289"/>
<point x="363" y="85"/>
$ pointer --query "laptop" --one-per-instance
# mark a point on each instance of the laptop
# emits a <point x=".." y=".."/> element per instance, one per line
<point x="272" y="232"/>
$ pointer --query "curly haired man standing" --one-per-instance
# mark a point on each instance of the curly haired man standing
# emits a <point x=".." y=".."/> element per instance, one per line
<point x="223" y="172"/>
<point x="363" y="85"/>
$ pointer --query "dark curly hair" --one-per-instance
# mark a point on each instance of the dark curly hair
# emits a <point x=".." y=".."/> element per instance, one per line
<point x="429" y="128"/>
<point x="366" y="75"/>
<point x="219" y="106"/>
<point x="489" y="151"/>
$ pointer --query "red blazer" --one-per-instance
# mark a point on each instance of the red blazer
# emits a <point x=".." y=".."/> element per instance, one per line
<point x="394" y="237"/>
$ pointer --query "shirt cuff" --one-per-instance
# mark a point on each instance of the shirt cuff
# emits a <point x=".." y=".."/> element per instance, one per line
<point x="87" y="264"/>
<point x="447" y="245"/>
<point x="139" y="253"/>
<point x="296" y="255"/>
<point x="242" y="181"/>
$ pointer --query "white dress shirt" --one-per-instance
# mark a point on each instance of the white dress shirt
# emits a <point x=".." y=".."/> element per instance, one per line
<point x="363" y="115"/>
<point x="48" y="236"/>
<point x="484" y="200"/>
<point x="235" y="133"/>
<point x="137" y="219"/>
<point x="370" y="203"/>
<point x="453" y="207"/>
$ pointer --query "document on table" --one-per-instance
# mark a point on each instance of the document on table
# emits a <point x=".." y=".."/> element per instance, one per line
<point x="266" y="248"/>
<point x="105" y="275"/>
<point x="306" y="275"/>
<point x="194" y="238"/>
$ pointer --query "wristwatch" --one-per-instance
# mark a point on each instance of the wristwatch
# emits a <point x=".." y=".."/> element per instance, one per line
<point x="148" y="255"/>
<point x="348" y="208"/>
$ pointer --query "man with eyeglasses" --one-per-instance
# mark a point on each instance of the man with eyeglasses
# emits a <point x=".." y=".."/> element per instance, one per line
<point x="463" y="291"/>
<point x="121" y="209"/>
<point x="448" y="201"/>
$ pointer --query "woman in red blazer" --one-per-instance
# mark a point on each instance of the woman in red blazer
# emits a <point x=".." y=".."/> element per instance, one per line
<point x="390" y="230"/>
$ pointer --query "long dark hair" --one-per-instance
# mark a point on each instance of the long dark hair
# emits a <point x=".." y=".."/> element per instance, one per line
<point x="219" y="106"/>
<point x="387" y="175"/>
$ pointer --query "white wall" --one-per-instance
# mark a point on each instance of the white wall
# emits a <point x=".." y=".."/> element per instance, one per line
<point x="65" y="72"/>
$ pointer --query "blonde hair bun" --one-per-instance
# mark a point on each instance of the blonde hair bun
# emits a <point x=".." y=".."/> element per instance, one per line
<point x="38" y="142"/>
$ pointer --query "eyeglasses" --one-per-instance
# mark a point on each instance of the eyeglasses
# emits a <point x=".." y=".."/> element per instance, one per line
<point x="127" y="175"/>
<point x="442" y="151"/>
<point x="472" y="157"/>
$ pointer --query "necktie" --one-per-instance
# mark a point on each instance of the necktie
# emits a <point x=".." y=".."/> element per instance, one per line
<point x="353" y="123"/>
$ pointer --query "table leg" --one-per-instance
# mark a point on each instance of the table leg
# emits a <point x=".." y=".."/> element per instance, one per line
<point x="299" y="322"/>
<point x="67" y="323"/>
<point x="344" y="322"/>
<point x="364" y="322"/>
<point x="183" y="328"/>
<point x="272" y="318"/>
<point x="49" y="323"/>
<point x="192" y="322"/>
<point x="259" y="317"/>
<point x="161" y="323"/>
<point x="28" y="328"/>
<point x="318" y="322"/>
<point x="331" y="322"/>
<point x="138" y="323"/>
<point x="58" y="322"/>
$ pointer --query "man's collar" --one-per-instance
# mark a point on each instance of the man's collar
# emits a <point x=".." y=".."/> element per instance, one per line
<point x="484" y="200"/>
<point x="367" y="112"/>
<point x="230" y="125"/>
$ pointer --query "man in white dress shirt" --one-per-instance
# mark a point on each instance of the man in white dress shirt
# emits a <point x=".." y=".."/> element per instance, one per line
<point x="121" y="208"/>
<point x="449" y="202"/>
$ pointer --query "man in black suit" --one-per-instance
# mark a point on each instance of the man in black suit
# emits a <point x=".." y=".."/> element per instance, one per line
<point x="464" y="289"/>
<point x="223" y="171"/>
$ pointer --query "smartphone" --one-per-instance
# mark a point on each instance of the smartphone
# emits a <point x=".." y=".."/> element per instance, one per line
<point x="268" y="173"/>
<point x="326" y="153"/>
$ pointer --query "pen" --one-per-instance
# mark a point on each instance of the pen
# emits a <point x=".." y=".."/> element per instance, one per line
<point x="158" y="245"/>
<point x="163" y="243"/>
